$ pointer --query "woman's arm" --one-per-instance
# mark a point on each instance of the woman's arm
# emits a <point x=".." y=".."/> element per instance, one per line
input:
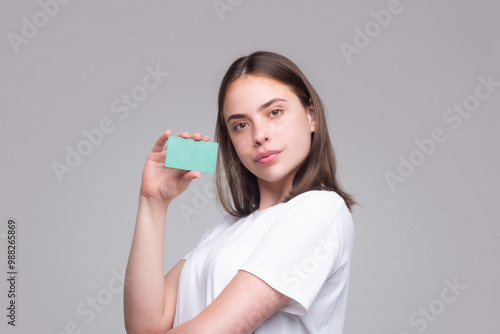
<point x="149" y="296"/>
<point x="244" y="304"/>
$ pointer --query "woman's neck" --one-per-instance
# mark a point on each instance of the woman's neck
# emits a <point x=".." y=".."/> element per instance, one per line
<point x="272" y="193"/>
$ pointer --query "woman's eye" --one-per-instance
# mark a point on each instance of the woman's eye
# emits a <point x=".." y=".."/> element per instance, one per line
<point x="275" y="113"/>
<point x="239" y="126"/>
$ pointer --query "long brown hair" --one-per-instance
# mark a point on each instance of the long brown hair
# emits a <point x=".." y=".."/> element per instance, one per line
<point x="317" y="172"/>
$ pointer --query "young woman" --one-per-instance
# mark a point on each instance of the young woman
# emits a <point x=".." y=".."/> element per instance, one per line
<point x="278" y="262"/>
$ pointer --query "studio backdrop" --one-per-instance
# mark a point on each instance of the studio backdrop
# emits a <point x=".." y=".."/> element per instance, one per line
<point x="412" y="91"/>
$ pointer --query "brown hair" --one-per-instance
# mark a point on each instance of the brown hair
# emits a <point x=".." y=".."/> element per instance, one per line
<point x="317" y="172"/>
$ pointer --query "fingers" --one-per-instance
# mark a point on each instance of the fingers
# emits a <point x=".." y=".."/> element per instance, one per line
<point x="195" y="136"/>
<point x="192" y="175"/>
<point x="184" y="135"/>
<point x="187" y="177"/>
<point x="198" y="136"/>
<point x="160" y="143"/>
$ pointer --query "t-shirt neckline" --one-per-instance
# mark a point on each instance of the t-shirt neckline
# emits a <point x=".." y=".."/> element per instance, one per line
<point x="271" y="208"/>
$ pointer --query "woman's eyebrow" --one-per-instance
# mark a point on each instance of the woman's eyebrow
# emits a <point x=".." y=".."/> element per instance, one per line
<point x="270" y="102"/>
<point x="235" y="116"/>
<point x="262" y="107"/>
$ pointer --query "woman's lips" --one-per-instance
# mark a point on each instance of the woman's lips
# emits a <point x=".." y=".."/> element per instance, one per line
<point x="267" y="156"/>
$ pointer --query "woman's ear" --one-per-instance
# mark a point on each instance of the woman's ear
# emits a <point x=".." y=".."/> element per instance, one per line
<point x="312" y="116"/>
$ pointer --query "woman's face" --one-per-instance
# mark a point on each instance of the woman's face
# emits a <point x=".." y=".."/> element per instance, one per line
<point x="269" y="127"/>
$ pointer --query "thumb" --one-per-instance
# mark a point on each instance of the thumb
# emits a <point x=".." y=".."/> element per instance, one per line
<point x="186" y="179"/>
<point x="191" y="175"/>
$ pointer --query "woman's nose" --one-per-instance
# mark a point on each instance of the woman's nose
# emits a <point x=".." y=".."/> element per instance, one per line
<point x="262" y="134"/>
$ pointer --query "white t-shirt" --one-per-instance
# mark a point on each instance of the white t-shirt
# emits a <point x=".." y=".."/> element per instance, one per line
<point x="301" y="248"/>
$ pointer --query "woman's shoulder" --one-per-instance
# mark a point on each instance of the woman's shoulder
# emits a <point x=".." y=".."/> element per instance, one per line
<point x="316" y="205"/>
<point x="324" y="209"/>
<point x="318" y="198"/>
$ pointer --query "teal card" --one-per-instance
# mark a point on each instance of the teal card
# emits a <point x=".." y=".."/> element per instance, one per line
<point x="190" y="154"/>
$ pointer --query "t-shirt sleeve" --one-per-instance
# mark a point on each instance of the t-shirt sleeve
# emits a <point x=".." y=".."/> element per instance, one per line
<point x="301" y="248"/>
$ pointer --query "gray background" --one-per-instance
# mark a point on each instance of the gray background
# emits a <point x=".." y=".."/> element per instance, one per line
<point x="74" y="236"/>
